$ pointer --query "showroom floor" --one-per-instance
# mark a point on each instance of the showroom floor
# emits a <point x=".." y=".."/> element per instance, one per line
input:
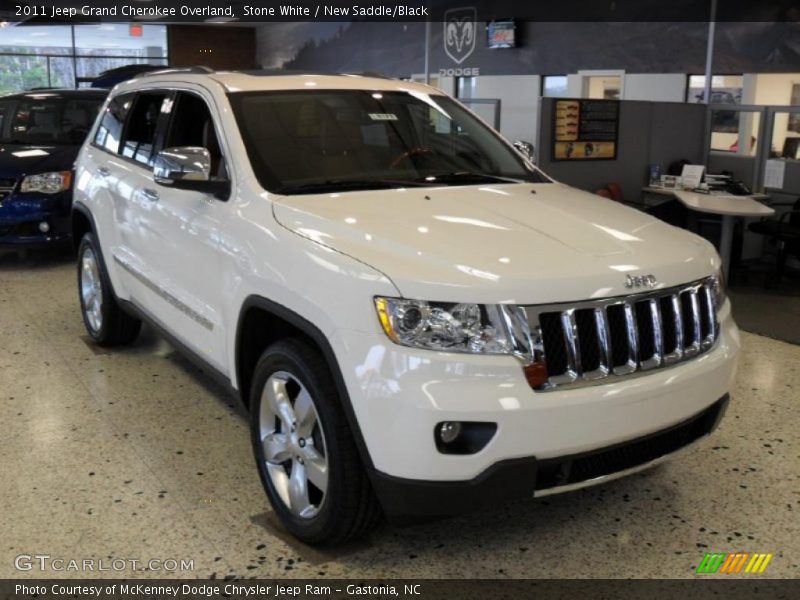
<point x="135" y="454"/>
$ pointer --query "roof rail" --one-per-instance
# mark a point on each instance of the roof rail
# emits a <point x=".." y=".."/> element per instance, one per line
<point x="196" y="70"/>
<point x="287" y="72"/>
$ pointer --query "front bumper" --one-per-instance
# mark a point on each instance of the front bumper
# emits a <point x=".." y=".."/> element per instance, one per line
<point x="21" y="214"/>
<point x="400" y="394"/>
<point x="525" y="478"/>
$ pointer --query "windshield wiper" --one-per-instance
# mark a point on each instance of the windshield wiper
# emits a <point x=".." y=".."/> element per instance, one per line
<point x="335" y="185"/>
<point x="471" y="176"/>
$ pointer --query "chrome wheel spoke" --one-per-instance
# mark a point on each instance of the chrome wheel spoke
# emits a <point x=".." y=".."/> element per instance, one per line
<point x="276" y="448"/>
<point x="316" y="468"/>
<point x="298" y="490"/>
<point x="279" y="402"/>
<point x="305" y="413"/>
<point x="281" y="482"/>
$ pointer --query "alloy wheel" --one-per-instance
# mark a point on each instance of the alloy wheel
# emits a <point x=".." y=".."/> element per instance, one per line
<point x="91" y="290"/>
<point x="294" y="444"/>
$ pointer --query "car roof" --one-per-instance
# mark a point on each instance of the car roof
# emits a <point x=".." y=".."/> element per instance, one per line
<point x="253" y="81"/>
<point x="56" y="93"/>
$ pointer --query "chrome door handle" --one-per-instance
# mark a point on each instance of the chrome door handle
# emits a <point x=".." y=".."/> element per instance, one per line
<point x="150" y="195"/>
<point x="103" y="172"/>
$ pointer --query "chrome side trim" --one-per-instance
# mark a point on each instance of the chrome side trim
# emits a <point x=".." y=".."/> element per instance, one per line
<point x="164" y="294"/>
<point x="561" y="489"/>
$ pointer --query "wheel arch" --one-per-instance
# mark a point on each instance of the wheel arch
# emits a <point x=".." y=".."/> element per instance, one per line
<point x="82" y="223"/>
<point x="262" y="322"/>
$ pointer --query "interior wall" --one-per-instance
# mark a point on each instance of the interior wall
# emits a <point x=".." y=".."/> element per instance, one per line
<point x="223" y="48"/>
<point x="664" y="87"/>
<point x="519" y="98"/>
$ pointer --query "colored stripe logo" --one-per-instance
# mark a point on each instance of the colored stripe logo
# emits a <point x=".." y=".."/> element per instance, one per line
<point x="737" y="562"/>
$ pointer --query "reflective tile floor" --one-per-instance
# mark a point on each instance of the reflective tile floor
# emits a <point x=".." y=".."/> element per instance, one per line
<point x="136" y="455"/>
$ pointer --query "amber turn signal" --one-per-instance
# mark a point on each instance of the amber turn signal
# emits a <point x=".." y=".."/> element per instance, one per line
<point x="536" y="374"/>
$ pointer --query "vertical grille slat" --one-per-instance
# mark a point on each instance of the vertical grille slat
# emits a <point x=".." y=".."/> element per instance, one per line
<point x="708" y="317"/>
<point x="603" y="340"/>
<point x="574" y="366"/>
<point x="648" y="323"/>
<point x="691" y="322"/>
<point x="600" y="339"/>
<point x="633" y="338"/>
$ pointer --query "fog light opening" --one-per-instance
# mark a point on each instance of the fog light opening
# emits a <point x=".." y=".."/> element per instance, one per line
<point x="463" y="437"/>
<point x="449" y="431"/>
<point x="44" y="226"/>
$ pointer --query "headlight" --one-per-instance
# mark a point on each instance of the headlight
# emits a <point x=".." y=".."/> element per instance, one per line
<point x="450" y="327"/>
<point x="720" y="293"/>
<point x="47" y="183"/>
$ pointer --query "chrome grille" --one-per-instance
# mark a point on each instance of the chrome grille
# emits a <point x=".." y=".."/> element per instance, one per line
<point x="584" y="343"/>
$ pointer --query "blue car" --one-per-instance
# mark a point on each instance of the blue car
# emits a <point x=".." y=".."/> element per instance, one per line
<point x="41" y="133"/>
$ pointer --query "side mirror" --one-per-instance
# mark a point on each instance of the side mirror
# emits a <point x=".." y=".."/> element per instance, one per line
<point x="187" y="168"/>
<point x="526" y="149"/>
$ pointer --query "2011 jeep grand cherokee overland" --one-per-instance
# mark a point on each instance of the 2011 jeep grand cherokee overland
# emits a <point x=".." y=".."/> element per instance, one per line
<point x="420" y="321"/>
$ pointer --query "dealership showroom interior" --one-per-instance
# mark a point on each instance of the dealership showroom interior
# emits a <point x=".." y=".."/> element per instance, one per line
<point x="462" y="294"/>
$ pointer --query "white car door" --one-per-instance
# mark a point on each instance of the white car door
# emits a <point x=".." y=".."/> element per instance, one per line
<point x="178" y="235"/>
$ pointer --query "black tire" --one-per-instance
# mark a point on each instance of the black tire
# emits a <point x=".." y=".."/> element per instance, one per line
<point x="349" y="509"/>
<point x="115" y="326"/>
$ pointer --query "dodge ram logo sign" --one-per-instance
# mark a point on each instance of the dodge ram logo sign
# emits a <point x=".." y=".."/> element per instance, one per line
<point x="460" y="30"/>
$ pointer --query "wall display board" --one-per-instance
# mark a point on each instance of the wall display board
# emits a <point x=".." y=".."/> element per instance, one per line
<point x="585" y="129"/>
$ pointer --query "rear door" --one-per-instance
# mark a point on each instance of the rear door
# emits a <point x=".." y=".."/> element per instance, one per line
<point x="100" y="181"/>
<point x="135" y="146"/>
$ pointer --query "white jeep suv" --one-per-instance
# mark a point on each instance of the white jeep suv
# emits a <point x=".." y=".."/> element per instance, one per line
<point x="419" y="321"/>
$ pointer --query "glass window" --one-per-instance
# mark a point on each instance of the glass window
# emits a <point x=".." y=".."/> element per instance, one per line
<point x="465" y="87"/>
<point x="602" y="87"/>
<point x="554" y="86"/>
<point x="192" y="125"/>
<point x="140" y="134"/>
<point x="725" y="89"/>
<point x="90" y="68"/>
<point x="36" y="39"/>
<point x="313" y="141"/>
<point x="21" y="72"/>
<point x="121" y="39"/>
<point x="109" y="133"/>
<point x="49" y="119"/>
<point x="785" y="141"/>
<point x="37" y="56"/>
<point x="735" y="131"/>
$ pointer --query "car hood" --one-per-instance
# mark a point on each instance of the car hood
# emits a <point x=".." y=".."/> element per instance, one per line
<point x="518" y="243"/>
<point x="17" y="160"/>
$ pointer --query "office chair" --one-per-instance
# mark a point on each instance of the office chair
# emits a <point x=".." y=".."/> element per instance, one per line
<point x="613" y="191"/>
<point x="783" y="231"/>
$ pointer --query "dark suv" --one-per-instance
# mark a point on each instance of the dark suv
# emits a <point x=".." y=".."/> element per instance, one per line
<point x="41" y="133"/>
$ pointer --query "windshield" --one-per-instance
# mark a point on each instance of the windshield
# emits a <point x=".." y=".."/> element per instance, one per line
<point x="47" y="119"/>
<point x="315" y="141"/>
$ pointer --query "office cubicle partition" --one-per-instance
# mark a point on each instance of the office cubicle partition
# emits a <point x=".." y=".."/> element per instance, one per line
<point x="649" y="133"/>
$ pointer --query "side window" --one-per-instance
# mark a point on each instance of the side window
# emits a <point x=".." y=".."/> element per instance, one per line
<point x="193" y="125"/>
<point x="109" y="132"/>
<point x="140" y="135"/>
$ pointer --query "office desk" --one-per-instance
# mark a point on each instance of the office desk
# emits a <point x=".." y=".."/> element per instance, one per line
<point x="727" y="206"/>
